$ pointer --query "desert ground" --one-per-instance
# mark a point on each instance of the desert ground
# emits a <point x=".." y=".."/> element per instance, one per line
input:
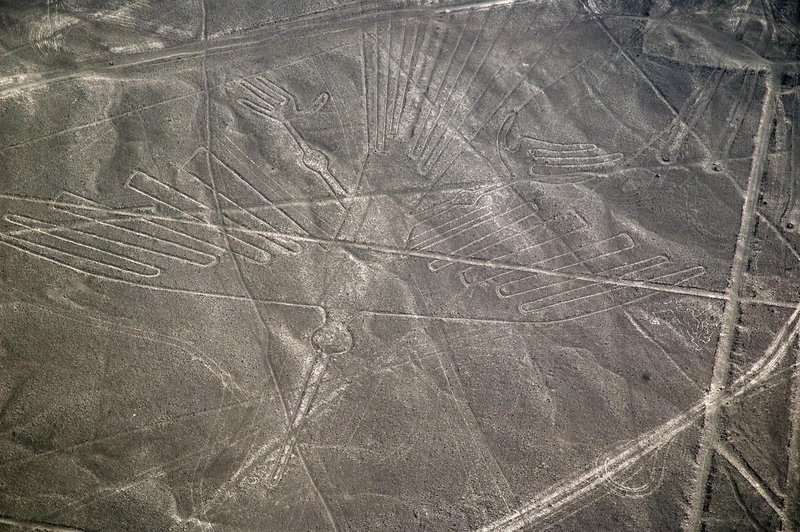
<point x="332" y="265"/>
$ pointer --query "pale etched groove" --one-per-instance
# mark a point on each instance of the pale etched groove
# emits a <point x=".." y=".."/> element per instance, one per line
<point x="465" y="210"/>
<point x="248" y="250"/>
<point x="556" y="228"/>
<point x="579" y="161"/>
<point x="494" y="264"/>
<point x="108" y="119"/>
<point x="469" y="225"/>
<point x="395" y="89"/>
<point x="36" y="525"/>
<point x="430" y="125"/>
<point x="309" y="393"/>
<point x="595" y="289"/>
<point x="514" y="229"/>
<point x="675" y="278"/>
<point x="471" y="134"/>
<point x="423" y="87"/>
<point x="689" y="115"/>
<point x="660" y="95"/>
<point x="370" y="51"/>
<point x="142" y="183"/>
<point x="408" y="49"/>
<point x="792" y="501"/>
<point x="794" y="153"/>
<point x="275" y="103"/>
<point x="188" y="95"/>
<point x="383" y="68"/>
<point x="460" y="200"/>
<point x="166" y="195"/>
<point x="581" y="256"/>
<point x="731" y="311"/>
<point x="744" y="469"/>
<point x="533" y="284"/>
<point x="350" y="14"/>
<point x="78" y="244"/>
<point x="376" y="50"/>
<point x="640" y="329"/>
<point x="366" y="93"/>
<point x="434" y="234"/>
<point x="647" y="79"/>
<point x="457" y="394"/>
<point x="548" y="162"/>
<point x="485" y="263"/>
<point x="565" y="494"/>
<point x="265" y="206"/>
<point x="498" y="265"/>
<point x="560" y="288"/>
<point x="738" y="112"/>
<point x="430" y="104"/>
<point x="244" y="217"/>
<point x="242" y="245"/>
<point x="253" y="247"/>
<point x="238" y="219"/>
<point x="287" y="204"/>
<point x="522" y="79"/>
<point x="343" y="113"/>
<point x="228" y="242"/>
<point x="561" y="496"/>
<point x="443" y="140"/>
<point x="260" y="198"/>
<point x="737" y="496"/>
<point x="66" y="259"/>
<point x="275" y="444"/>
<point x="124" y="234"/>
<point x="114" y="215"/>
<point x="415" y="65"/>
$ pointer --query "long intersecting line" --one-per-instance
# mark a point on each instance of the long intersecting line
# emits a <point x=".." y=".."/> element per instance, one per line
<point x="434" y="255"/>
<point x="237" y="267"/>
<point x="21" y="524"/>
<point x="792" y="502"/>
<point x="730" y="313"/>
<point x="563" y="494"/>
<point x="710" y="440"/>
<point x="448" y="257"/>
<point x="732" y="296"/>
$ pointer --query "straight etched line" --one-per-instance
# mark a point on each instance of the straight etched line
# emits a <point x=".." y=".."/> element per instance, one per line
<point x="571" y="491"/>
<point x="751" y="477"/>
<point x="402" y="76"/>
<point x="647" y="336"/>
<point x="383" y="71"/>
<point x="405" y="252"/>
<point x="366" y="92"/>
<point x="472" y="135"/>
<point x="730" y="314"/>
<point x="376" y="57"/>
<point x="792" y="503"/>
<point x="416" y="150"/>
<point x="427" y="147"/>
<point x="428" y="69"/>
<point x="36" y="525"/>
<point x="419" y="48"/>
<point x="737" y="495"/>
<point x="389" y="72"/>
<point x="447" y="134"/>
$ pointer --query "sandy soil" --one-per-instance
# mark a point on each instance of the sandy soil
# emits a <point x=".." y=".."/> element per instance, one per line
<point x="408" y="265"/>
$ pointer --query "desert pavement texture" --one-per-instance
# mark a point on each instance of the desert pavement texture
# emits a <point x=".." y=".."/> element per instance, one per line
<point x="403" y="265"/>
